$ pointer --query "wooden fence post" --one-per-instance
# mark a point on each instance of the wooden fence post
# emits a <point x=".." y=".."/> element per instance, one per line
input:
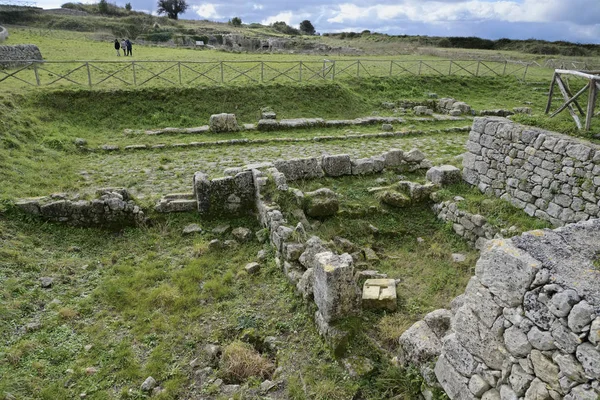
<point x="477" y="71"/>
<point x="504" y="70"/>
<point x="358" y="69"/>
<point x="420" y="65"/>
<point x="262" y="71"/>
<point x="87" y="65"/>
<point x="333" y="71"/>
<point x="37" y="74"/>
<point x="525" y="72"/>
<point x="222" y="75"/>
<point x="300" y="71"/>
<point x="391" y="66"/>
<point x="134" y="77"/>
<point x="591" y="104"/>
<point x="450" y="69"/>
<point x="179" y="68"/>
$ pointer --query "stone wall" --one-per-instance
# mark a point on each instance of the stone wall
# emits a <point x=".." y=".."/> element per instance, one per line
<point x="472" y="227"/>
<point x="551" y="176"/>
<point x="527" y="326"/>
<point x="114" y="207"/>
<point x="3" y="34"/>
<point x="11" y="56"/>
<point x="225" y="197"/>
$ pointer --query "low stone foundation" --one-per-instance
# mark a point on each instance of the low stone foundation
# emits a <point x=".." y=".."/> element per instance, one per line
<point x="114" y="207"/>
<point x="472" y="227"/>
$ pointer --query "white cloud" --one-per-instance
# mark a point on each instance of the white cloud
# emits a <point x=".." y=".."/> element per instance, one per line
<point x="472" y="10"/>
<point x="257" y="6"/>
<point x="206" y="11"/>
<point x="285" y="16"/>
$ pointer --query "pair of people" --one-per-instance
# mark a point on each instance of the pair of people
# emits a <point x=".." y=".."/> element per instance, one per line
<point x="125" y="45"/>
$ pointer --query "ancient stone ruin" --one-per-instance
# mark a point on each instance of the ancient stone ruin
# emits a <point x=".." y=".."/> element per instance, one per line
<point x="3" y="34"/>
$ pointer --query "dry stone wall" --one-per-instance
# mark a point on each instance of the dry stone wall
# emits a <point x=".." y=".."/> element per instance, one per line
<point x="527" y="326"/>
<point x="114" y="207"/>
<point x="472" y="227"/>
<point x="13" y="56"/>
<point x="551" y="176"/>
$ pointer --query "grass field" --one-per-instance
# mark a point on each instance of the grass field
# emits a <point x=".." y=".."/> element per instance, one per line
<point x="132" y="303"/>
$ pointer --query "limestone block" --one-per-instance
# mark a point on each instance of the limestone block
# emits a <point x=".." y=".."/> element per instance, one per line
<point x="478" y="386"/>
<point x="561" y="303"/>
<point x="335" y="291"/>
<point x="537" y="391"/>
<point x="414" y="156"/>
<point x="580" y="316"/>
<point x="458" y="356"/>
<point x="362" y="166"/>
<point x="379" y="294"/>
<point x="569" y="367"/>
<point x="322" y="202"/>
<point x="223" y="123"/>
<point x="519" y="379"/>
<point x="300" y="168"/>
<point x="418" y="344"/>
<point x="393" y="158"/>
<point x="541" y="340"/>
<point x="516" y="342"/>
<point x="545" y="369"/>
<point x="444" y="175"/>
<point x="453" y="383"/>
<point x="582" y="392"/>
<point x="589" y="358"/>
<point x="337" y="165"/>
<point x="507" y="271"/>
<point x="439" y="321"/>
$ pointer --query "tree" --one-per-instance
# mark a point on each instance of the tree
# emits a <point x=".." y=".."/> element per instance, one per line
<point x="171" y="7"/>
<point x="128" y="6"/>
<point x="103" y="7"/>
<point x="307" y="28"/>
<point x="235" y="21"/>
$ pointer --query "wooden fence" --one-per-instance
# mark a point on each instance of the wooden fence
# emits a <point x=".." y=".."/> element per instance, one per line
<point x="197" y="73"/>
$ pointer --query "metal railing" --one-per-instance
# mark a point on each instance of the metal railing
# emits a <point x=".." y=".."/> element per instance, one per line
<point x="196" y="73"/>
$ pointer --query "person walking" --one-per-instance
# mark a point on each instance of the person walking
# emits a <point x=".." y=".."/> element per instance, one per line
<point x="118" y="47"/>
<point x="128" y="43"/>
<point x="124" y="47"/>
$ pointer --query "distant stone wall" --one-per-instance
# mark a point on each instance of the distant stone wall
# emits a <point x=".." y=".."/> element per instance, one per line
<point x="527" y="326"/>
<point x="10" y="56"/>
<point x="112" y="208"/>
<point x="551" y="176"/>
<point x="3" y="34"/>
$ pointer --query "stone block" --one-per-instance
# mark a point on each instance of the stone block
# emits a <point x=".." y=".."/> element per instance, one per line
<point x="300" y="168"/>
<point x="337" y="165"/>
<point x="379" y="294"/>
<point x="322" y="202"/>
<point x="220" y="123"/>
<point x="444" y="175"/>
<point x="362" y="166"/>
<point x="335" y="291"/>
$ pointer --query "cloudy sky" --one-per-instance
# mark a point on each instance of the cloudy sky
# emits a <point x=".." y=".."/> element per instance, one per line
<point x="572" y="20"/>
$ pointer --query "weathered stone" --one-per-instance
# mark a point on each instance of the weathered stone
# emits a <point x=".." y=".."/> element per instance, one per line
<point x="242" y="234"/>
<point x="393" y="158"/>
<point x="569" y="367"/>
<point x="191" y="229"/>
<point x="293" y="251"/>
<point x="580" y="316"/>
<point x="439" y="321"/>
<point x="457" y="355"/>
<point x="444" y="175"/>
<point x="589" y="358"/>
<point x="561" y="303"/>
<point x="519" y="379"/>
<point x="582" y="392"/>
<point x="564" y="339"/>
<point x="252" y="267"/>
<point x="362" y="166"/>
<point x="537" y="391"/>
<point x="453" y="383"/>
<point x="478" y="386"/>
<point x="418" y="344"/>
<point x="336" y="338"/>
<point x="223" y="123"/>
<point x="507" y="271"/>
<point x="516" y="342"/>
<point x="541" y="340"/>
<point x="46" y="282"/>
<point x="335" y="291"/>
<point x="594" y="336"/>
<point x="545" y="369"/>
<point x="492" y="394"/>
<point x="395" y="199"/>
<point x="305" y="284"/>
<point x="322" y="202"/>
<point x="313" y="246"/>
<point x="337" y="165"/>
<point x="148" y="384"/>
<point x="379" y="294"/>
<point x="303" y="168"/>
<point x="507" y="393"/>
<point x="414" y="156"/>
<point x="537" y="311"/>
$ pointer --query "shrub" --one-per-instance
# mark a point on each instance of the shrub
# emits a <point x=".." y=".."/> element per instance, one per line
<point x="241" y="361"/>
<point x="236" y="21"/>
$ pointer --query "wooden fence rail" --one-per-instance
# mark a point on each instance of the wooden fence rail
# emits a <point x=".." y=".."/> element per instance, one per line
<point x="196" y="73"/>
